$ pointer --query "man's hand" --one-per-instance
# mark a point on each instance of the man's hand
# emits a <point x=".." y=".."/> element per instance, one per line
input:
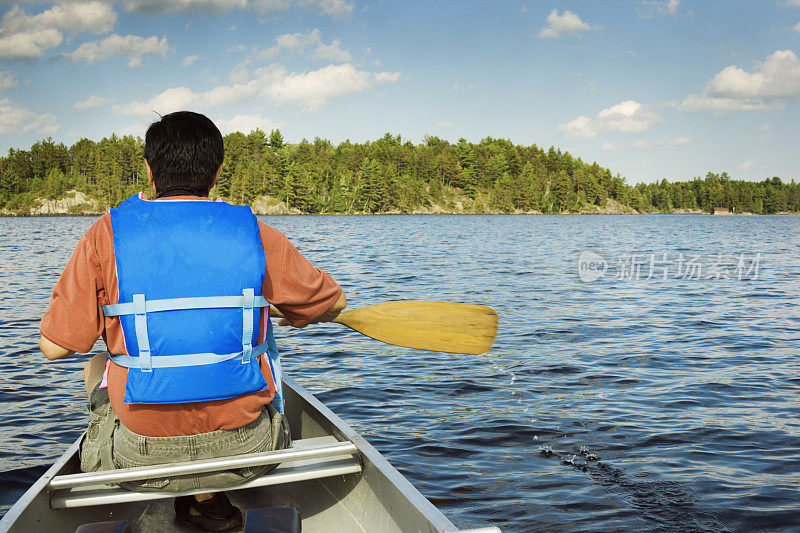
<point x="52" y="350"/>
<point x="328" y="316"/>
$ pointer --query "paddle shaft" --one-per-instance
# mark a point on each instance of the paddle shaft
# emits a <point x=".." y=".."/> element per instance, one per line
<point x="425" y="325"/>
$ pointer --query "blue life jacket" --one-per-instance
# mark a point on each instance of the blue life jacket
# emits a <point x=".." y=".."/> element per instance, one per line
<point x="190" y="275"/>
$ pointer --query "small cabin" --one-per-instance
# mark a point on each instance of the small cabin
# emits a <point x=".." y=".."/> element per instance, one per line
<point x="721" y="211"/>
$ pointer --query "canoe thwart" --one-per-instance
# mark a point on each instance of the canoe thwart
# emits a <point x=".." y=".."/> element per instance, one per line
<point x="296" y="453"/>
<point x="322" y="457"/>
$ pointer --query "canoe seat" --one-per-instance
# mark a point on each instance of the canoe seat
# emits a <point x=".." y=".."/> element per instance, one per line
<point x="311" y="458"/>
<point x="103" y="527"/>
<point x="273" y="520"/>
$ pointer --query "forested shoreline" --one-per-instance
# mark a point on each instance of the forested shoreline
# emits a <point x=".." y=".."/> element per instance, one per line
<point x="388" y="175"/>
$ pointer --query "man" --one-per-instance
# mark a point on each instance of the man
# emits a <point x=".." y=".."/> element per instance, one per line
<point x="178" y="288"/>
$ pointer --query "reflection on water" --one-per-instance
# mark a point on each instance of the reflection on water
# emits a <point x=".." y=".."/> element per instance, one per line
<point x="612" y="405"/>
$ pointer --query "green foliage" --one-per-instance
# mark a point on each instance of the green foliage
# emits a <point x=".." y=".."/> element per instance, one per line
<point x="386" y="175"/>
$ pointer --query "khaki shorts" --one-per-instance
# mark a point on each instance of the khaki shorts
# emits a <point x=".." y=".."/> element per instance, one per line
<point x="108" y="445"/>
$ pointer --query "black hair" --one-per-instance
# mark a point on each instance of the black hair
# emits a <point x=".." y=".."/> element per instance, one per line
<point x="184" y="151"/>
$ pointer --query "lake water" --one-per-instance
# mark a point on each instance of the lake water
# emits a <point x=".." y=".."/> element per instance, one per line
<point x="670" y="402"/>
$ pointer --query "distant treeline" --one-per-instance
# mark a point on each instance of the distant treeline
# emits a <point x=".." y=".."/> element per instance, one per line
<point x="386" y="175"/>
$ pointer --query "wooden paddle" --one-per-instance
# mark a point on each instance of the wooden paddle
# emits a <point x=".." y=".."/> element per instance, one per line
<point x="436" y="326"/>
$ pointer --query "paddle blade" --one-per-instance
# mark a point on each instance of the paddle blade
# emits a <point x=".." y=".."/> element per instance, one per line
<point x="436" y="326"/>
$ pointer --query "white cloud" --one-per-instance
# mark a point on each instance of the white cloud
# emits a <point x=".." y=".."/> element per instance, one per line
<point x="628" y="116"/>
<point x="29" y="45"/>
<point x="155" y="7"/>
<point x="444" y="124"/>
<point x="266" y="8"/>
<point x="672" y="6"/>
<point x="24" y="36"/>
<point x="650" y="8"/>
<point x="734" y="89"/>
<point x="674" y="143"/>
<point x="17" y="119"/>
<point x="797" y="27"/>
<point x="239" y="73"/>
<point x="560" y="25"/>
<point x="188" y="60"/>
<point x="246" y="124"/>
<point x="608" y="145"/>
<point x="8" y="80"/>
<point x="132" y="46"/>
<point x="332" y="52"/>
<point x="309" y="44"/>
<point x="134" y="130"/>
<point x="311" y="90"/>
<point x="307" y="90"/>
<point x="579" y="128"/>
<point x="707" y="103"/>
<point x="178" y="98"/>
<point x="765" y="126"/>
<point x="332" y="8"/>
<point x="745" y="165"/>
<point x="777" y="77"/>
<point x="92" y="102"/>
<point x="387" y="77"/>
<point x="795" y="3"/>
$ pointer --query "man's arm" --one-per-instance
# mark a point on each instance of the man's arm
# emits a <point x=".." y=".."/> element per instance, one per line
<point x="73" y="321"/>
<point x="328" y="316"/>
<point x="334" y="310"/>
<point x="303" y="293"/>
<point x="52" y="350"/>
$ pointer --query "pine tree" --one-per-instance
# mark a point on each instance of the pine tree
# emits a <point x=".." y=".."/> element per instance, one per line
<point x="276" y="140"/>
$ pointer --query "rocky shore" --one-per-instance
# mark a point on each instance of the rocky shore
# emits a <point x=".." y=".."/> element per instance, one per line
<point x="78" y="203"/>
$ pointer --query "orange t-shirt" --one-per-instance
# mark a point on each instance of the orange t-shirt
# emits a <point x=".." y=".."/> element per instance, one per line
<point x="75" y="320"/>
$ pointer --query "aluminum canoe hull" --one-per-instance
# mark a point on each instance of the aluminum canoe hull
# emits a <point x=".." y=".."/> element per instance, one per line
<point x="377" y="499"/>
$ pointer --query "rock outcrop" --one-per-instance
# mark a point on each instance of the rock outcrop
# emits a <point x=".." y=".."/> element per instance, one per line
<point x="612" y="207"/>
<point x="74" y="203"/>
<point x="267" y="205"/>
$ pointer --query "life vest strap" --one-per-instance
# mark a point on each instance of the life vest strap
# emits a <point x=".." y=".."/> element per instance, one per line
<point x="192" y="359"/>
<point x="140" y="324"/>
<point x="179" y="304"/>
<point x="248" y="298"/>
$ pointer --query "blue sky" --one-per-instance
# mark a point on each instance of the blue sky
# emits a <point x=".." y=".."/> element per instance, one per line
<point x="651" y="89"/>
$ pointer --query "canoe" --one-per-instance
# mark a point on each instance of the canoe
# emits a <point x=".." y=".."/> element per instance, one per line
<point x="336" y="479"/>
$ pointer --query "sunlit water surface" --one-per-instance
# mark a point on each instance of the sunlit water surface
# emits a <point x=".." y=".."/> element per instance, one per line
<point x="612" y="405"/>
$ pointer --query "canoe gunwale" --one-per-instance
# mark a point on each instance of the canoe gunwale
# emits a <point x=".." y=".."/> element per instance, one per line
<point x="38" y="487"/>
<point x="372" y="456"/>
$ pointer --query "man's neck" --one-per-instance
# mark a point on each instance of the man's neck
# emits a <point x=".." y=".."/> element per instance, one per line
<point x="180" y="191"/>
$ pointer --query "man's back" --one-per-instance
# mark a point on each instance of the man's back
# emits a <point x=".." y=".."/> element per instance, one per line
<point x="89" y="281"/>
<point x="202" y="373"/>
